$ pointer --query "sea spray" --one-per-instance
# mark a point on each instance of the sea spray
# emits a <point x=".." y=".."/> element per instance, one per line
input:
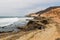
<point x="11" y="24"/>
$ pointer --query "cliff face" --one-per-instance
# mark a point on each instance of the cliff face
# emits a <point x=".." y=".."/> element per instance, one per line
<point x="53" y="13"/>
<point x="47" y="9"/>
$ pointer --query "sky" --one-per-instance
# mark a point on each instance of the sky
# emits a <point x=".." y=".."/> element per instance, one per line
<point x="24" y="7"/>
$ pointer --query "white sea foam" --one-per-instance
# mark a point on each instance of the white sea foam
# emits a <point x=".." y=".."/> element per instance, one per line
<point x="8" y="21"/>
<point x="11" y="24"/>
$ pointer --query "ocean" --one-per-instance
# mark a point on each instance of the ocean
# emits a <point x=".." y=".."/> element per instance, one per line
<point x="12" y="22"/>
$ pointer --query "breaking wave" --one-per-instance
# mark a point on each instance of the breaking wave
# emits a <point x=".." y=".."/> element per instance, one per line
<point x="7" y="21"/>
<point x="17" y="21"/>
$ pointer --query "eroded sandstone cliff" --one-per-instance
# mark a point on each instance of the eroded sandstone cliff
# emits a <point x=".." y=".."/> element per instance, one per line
<point x="44" y="26"/>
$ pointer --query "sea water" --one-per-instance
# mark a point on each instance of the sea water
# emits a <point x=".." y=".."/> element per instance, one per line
<point x="10" y="23"/>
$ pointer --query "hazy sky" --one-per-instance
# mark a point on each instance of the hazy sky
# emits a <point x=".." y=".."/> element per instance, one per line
<point x="23" y="7"/>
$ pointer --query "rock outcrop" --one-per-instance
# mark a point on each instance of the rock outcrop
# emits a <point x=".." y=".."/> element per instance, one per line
<point x="51" y="12"/>
<point x="32" y="15"/>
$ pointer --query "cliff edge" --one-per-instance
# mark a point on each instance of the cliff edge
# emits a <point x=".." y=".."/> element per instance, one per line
<point x="44" y="26"/>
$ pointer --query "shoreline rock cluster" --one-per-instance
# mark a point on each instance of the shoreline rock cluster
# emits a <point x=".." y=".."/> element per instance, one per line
<point x="52" y="13"/>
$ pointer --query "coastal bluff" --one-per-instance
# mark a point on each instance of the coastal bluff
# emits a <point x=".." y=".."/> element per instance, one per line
<point x="44" y="26"/>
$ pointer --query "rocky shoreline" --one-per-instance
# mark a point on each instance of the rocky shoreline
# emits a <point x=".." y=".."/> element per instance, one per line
<point x="44" y="26"/>
<point x="42" y="18"/>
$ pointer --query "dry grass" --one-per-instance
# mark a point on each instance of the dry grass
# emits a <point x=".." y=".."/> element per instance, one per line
<point x="50" y="33"/>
